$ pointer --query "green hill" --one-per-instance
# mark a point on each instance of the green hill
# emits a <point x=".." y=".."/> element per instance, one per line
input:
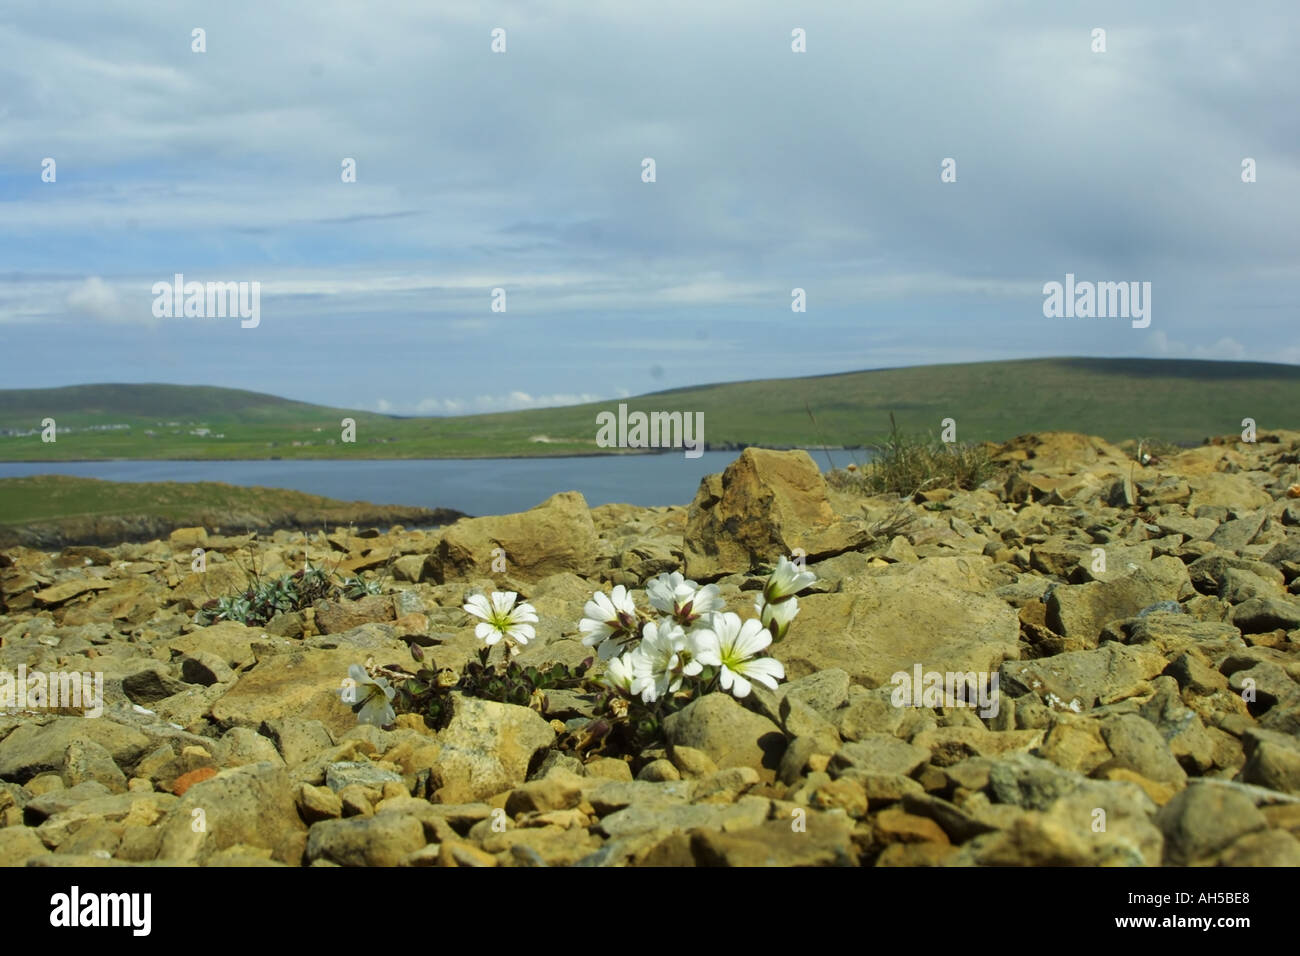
<point x="1172" y="399"/>
<point x="108" y="404"/>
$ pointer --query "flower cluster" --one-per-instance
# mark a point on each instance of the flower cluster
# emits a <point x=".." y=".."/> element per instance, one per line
<point x="692" y="635"/>
<point x="687" y="634"/>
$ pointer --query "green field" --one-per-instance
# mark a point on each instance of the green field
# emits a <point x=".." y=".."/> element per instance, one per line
<point x="1176" y="400"/>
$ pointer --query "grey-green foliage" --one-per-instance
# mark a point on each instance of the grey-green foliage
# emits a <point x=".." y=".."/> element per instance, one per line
<point x="358" y="587"/>
<point x="265" y="598"/>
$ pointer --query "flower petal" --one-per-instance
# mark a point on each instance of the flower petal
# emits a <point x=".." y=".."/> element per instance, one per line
<point x="478" y="605"/>
<point x="765" y="670"/>
<point x="751" y="639"/>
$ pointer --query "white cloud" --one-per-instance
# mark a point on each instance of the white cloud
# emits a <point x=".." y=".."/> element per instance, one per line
<point x="95" y="298"/>
<point x="510" y="401"/>
<point x="1225" y="349"/>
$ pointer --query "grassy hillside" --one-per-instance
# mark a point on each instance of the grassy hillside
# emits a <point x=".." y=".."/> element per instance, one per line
<point x="106" y="404"/>
<point x="1176" y="400"/>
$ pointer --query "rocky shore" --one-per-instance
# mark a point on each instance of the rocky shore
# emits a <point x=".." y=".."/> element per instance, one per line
<point x="1128" y="634"/>
<point x="261" y="510"/>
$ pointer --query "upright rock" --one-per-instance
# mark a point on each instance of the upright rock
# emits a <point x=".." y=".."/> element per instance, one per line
<point x="766" y="504"/>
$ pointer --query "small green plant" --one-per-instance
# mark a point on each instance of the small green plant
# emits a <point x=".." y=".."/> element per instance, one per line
<point x="358" y="587"/>
<point x="426" y="692"/>
<point x="514" y="684"/>
<point x="905" y="464"/>
<point x="267" y="597"/>
<point x="226" y="608"/>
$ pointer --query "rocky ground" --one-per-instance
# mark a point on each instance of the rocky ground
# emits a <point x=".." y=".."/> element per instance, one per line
<point x="1143" y="623"/>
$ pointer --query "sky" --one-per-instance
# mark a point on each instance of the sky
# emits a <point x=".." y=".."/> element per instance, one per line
<point x="522" y="170"/>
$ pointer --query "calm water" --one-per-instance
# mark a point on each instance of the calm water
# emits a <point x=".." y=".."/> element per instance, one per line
<point x="477" y="487"/>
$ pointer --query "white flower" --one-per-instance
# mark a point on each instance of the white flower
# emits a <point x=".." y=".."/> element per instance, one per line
<point x="371" y="694"/>
<point x="691" y="665"/>
<point x="657" y="662"/>
<point x="786" y="581"/>
<point x="500" y="617"/>
<point x="619" y="674"/>
<point x="609" y="621"/>
<point x="684" y="600"/>
<point x="732" y="646"/>
<point x="777" y="617"/>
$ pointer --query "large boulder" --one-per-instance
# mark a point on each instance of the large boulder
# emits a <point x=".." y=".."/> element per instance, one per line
<point x="766" y="504"/>
<point x="1065" y="832"/>
<point x="1080" y="611"/>
<point x="728" y="734"/>
<point x="230" y="641"/>
<point x="1228" y="491"/>
<point x="20" y="844"/>
<point x="301" y="683"/>
<point x="252" y="805"/>
<point x="895" y="622"/>
<point x="487" y="748"/>
<point x="1204" y="819"/>
<point x="558" y="535"/>
<point x="384" y="840"/>
<point x="218" y="579"/>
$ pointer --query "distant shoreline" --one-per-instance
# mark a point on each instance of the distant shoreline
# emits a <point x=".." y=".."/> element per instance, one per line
<point x="301" y="458"/>
<point x="97" y="500"/>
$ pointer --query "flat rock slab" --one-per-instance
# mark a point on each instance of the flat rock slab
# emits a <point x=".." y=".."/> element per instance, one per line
<point x="70" y="589"/>
<point x="650" y="817"/>
<point x="895" y="623"/>
<point x="1078" y="680"/>
<point x="39" y="748"/>
<point x="305" y="684"/>
<point x="1082" y="610"/>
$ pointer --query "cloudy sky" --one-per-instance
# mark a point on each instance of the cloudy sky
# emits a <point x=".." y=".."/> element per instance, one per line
<point x="522" y="170"/>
